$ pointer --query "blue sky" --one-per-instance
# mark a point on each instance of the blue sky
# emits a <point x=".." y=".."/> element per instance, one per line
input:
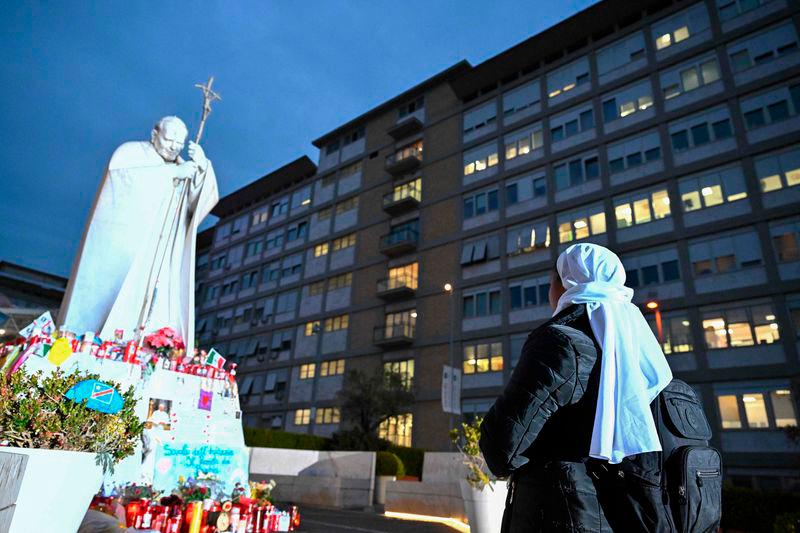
<point x="80" y="78"/>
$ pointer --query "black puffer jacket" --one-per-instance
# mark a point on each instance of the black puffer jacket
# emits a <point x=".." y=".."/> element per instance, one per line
<point x="539" y="430"/>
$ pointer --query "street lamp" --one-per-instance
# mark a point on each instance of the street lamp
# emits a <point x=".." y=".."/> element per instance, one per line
<point x="448" y="288"/>
<point x="652" y="305"/>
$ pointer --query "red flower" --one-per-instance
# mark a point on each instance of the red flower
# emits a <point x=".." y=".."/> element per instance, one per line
<point x="203" y="490"/>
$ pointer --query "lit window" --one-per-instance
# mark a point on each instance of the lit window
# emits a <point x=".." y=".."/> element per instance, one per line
<point x="729" y="411"/>
<point x="344" y="242"/>
<point x="302" y="417"/>
<point x="307" y="371"/>
<point x="331" y="368"/>
<point x="327" y="415"/>
<point x="321" y="249"/>
<point x="337" y="323"/>
<point x="755" y="410"/>
<point x="397" y="430"/>
<point x="405" y="369"/>
<point x="312" y="328"/>
<point x="783" y="407"/>
<point x="663" y="41"/>
<point x="480" y="358"/>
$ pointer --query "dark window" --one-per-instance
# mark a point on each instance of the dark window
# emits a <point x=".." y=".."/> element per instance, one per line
<point x="616" y="165"/>
<point x="539" y="187"/>
<point x="766" y="57"/>
<point x="740" y="61"/>
<point x="582" y="78"/>
<point x="557" y="134"/>
<point x="778" y="111"/>
<point x="530" y="297"/>
<point x="511" y="194"/>
<point x="670" y="270"/>
<point x="652" y="154"/>
<point x="469" y="306"/>
<point x="754" y="118"/>
<point x="786" y="48"/>
<point x="587" y="120"/>
<point x="494" y="302"/>
<point x="469" y="208"/>
<point x="610" y="111"/>
<point x="575" y="172"/>
<point x="561" y="176"/>
<point x="634" y="160"/>
<point x="795" y="92"/>
<point x="492" y="195"/>
<point x="516" y="297"/>
<point x="680" y="140"/>
<point x="722" y="129"/>
<point x="592" y="168"/>
<point x="632" y="278"/>
<point x="544" y="293"/>
<point x="700" y="135"/>
<point x="650" y="275"/>
<point x="571" y="128"/>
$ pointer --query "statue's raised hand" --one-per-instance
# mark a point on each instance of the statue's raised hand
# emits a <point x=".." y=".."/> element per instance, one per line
<point x="197" y="155"/>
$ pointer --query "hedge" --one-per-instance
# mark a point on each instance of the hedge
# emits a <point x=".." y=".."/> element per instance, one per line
<point x="412" y="459"/>
<point x="273" y="438"/>
<point x="388" y="464"/>
<point x="753" y="510"/>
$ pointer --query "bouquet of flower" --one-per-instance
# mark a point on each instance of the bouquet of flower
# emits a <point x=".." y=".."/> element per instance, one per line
<point x="132" y="491"/>
<point x="191" y="491"/>
<point x="261" y="491"/>
<point x="164" y="341"/>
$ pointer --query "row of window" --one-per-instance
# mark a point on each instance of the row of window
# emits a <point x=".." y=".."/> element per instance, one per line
<point x="326" y="369"/>
<point x="627" y="55"/>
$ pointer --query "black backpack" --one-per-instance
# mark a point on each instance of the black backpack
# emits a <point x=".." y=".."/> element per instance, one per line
<point x="691" y="469"/>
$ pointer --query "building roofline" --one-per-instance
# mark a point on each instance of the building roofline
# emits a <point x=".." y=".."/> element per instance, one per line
<point x="299" y="169"/>
<point x="17" y="266"/>
<point x="550" y="44"/>
<point x="445" y="75"/>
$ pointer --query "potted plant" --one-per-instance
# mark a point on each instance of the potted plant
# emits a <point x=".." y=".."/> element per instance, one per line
<point x="68" y="446"/>
<point x="388" y="467"/>
<point x="484" y="496"/>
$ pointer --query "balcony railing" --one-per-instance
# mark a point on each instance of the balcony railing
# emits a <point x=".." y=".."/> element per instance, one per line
<point x="404" y="128"/>
<point x="404" y="161"/>
<point x="400" y="334"/>
<point x="396" y="202"/>
<point x="399" y="242"/>
<point x="397" y="287"/>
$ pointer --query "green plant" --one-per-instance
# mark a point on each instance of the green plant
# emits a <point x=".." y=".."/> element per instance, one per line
<point x="367" y="400"/>
<point x="273" y="438"/>
<point x="388" y="464"/>
<point x="34" y="413"/>
<point x="787" y="523"/>
<point x="466" y="440"/>
<point x="412" y="458"/>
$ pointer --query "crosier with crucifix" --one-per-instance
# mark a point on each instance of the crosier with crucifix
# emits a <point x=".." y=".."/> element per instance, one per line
<point x="135" y="265"/>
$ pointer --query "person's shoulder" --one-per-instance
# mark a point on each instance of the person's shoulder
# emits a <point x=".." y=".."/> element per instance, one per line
<point x="130" y="153"/>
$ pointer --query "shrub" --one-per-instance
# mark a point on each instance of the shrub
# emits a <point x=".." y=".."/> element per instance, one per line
<point x="273" y="438"/>
<point x="787" y="523"/>
<point x="34" y="413"/>
<point x="412" y="458"/>
<point x="388" y="464"/>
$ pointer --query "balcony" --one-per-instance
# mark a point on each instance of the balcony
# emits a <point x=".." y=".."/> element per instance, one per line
<point x="396" y="203"/>
<point x="404" y="128"/>
<point x="396" y="288"/>
<point x="399" y="242"/>
<point x="395" y="335"/>
<point x="404" y="161"/>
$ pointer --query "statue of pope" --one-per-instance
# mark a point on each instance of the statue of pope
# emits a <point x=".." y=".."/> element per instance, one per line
<point x="139" y="235"/>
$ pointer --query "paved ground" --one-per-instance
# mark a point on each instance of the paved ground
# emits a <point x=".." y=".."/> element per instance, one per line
<point x="315" y="520"/>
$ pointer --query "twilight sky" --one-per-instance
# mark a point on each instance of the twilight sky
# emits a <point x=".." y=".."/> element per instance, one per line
<point x="80" y="78"/>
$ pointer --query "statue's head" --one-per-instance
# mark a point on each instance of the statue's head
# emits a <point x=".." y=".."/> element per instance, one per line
<point x="168" y="137"/>
<point x="162" y="407"/>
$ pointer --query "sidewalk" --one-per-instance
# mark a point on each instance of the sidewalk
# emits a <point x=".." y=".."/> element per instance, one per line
<point x="316" y="520"/>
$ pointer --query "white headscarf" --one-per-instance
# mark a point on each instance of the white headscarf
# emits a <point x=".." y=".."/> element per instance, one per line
<point x="633" y="368"/>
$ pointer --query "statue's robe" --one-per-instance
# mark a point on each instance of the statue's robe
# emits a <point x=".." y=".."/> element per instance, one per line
<point x="119" y="258"/>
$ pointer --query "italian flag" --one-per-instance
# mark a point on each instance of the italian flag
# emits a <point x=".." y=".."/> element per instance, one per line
<point x="215" y="359"/>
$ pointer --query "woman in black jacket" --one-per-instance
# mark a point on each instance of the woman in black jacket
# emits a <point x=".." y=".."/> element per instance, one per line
<point x="579" y="456"/>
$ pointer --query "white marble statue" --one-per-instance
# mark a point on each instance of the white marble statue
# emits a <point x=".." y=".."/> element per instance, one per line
<point x="139" y="236"/>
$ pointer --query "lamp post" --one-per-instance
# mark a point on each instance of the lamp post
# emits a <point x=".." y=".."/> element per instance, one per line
<point x="652" y="305"/>
<point x="448" y="288"/>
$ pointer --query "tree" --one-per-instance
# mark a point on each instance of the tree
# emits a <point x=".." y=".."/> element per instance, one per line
<point x="367" y="400"/>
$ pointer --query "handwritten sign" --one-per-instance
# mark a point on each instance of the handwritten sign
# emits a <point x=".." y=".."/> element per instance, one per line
<point x="228" y="464"/>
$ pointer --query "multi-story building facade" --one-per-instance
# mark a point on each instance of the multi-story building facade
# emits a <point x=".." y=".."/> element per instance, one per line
<point x="666" y="131"/>
<point x="26" y="293"/>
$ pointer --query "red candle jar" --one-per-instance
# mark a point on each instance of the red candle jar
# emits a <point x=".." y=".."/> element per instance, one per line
<point x="131" y="511"/>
